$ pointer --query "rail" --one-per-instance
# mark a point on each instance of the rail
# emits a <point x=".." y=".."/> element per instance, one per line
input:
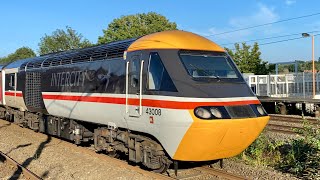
<point x="202" y="172"/>
<point x="27" y="173"/>
<point x="221" y="173"/>
<point x="288" y="124"/>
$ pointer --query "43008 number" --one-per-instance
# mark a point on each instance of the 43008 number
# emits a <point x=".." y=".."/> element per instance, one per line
<point x="153" y="111"/>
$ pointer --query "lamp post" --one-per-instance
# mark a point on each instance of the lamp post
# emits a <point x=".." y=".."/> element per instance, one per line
<point x="313" y="66"/>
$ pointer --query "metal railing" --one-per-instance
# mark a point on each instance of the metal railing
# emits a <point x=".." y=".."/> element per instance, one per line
<point x="284" y="85"/>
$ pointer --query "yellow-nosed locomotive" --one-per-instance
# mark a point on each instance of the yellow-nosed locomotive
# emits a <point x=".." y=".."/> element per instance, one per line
<point x="164" y="97"/>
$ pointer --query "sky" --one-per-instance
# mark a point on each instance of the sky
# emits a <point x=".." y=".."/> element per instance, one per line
<point x="23" y="23"/>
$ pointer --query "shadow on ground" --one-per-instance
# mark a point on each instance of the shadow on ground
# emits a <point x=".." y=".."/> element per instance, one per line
<point x="27" y="162"/>
<point x="5" y="125"/>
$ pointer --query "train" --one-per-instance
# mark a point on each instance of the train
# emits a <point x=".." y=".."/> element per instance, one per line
<point x="171" y="96"/>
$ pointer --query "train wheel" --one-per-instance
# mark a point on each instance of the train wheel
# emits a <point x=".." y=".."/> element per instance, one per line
<point x="162" y="169"/>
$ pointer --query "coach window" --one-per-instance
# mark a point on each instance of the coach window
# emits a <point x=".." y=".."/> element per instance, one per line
<point x="158" y="77"/>
<point x="12" y="81"/>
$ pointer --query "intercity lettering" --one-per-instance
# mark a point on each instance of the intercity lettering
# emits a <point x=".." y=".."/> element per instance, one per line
<point x="71" y="79"/>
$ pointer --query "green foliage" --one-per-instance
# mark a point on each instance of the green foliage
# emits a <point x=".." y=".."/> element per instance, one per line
<point x="21" y="53"/>
<point x="302" y="66"/>
<point x="300" y="156"/>
<point x="263" y="151"/>
<point x="62" y="40"/>
<point x="248" y="59"/>
<point x="136" y="25"/>
<point x="303" y="156"/>
<point x="303" y="160"/>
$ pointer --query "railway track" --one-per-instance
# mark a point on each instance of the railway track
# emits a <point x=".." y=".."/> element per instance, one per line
<point x="119" y="162"/>
<point x="288" y="124"/>
<point x="221" y="173"/>
<point x="203" y="172"/>
<point x="19" y="168"/>
<point x="293" y="119"/>
<point x="200" y="171"/>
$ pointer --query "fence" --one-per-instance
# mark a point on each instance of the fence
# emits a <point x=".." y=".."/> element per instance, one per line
<point x="284" y="85"/>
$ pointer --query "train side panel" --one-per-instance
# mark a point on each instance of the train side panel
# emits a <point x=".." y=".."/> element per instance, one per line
<point x="13" y="92"/>
<point x="91" y="92"/>
<point x="2" y="85"/>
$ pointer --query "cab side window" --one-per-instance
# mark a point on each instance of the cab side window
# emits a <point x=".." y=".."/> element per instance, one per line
<point x="158" y="77"/>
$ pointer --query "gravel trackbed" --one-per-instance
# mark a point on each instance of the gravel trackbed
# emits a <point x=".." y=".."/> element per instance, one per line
<point x="52" y="158"/>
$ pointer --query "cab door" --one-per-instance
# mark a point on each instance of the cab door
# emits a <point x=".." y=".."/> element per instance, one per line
<point x="134" y="85"/>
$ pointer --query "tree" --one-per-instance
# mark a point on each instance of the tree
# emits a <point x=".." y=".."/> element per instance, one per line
<point x="62" y="40"/>
<point x="21" y="53"/>
<point x="137" y="25"/>
<point x="248" y="59"/>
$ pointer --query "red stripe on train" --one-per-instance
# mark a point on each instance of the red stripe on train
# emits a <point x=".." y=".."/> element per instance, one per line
<point x="86" y="99"/>
<point x="147" y="102"/>
<point x="13" y="93"/>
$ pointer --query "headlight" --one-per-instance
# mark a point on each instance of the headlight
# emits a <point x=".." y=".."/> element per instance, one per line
<point x="260" y="109"/>
<point x="215" y="112"/>
<point x="202" y="113"/>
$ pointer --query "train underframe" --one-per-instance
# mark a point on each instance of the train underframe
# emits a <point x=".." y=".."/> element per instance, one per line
<point x="139" y="148"/>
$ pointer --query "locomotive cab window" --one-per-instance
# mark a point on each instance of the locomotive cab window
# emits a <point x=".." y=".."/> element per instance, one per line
<point x="158" y="77"/>
<point x="135" y="71"/>
<point x="210" y="66"/>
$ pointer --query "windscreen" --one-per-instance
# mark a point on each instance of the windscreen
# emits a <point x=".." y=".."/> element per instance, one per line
<point x="208" y="65"/>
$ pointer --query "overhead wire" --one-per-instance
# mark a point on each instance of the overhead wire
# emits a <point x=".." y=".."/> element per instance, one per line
<point x="267" y="38"/>
<point x="265" y="24"/>
<point x="284" y="40"/>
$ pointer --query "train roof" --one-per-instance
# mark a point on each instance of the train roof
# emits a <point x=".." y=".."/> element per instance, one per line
<point x="16" y="64"/>
<point x="93" y="53"/>
<point x="175" y="39"/>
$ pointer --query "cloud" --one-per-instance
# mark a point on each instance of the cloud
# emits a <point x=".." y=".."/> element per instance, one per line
<point x="263" y="15"/>
<point x="290" y="2"/>
<point x="229" y="37"/>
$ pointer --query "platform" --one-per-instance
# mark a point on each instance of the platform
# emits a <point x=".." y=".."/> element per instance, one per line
<point x="287" y="86"/>
<point x="288" y="99"/>
<point x="286" y="91"/>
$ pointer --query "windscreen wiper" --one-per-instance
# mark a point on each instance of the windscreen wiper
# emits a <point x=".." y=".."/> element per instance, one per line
<point x="205" y="72"/>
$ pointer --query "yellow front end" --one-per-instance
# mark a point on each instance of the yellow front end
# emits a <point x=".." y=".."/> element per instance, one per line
<point x="216" y="139"/>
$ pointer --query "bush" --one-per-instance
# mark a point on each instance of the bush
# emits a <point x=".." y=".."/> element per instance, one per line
<point x="263" y="151"/>
<point x="300" y="157"/>
<point x="303" y="158"/>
